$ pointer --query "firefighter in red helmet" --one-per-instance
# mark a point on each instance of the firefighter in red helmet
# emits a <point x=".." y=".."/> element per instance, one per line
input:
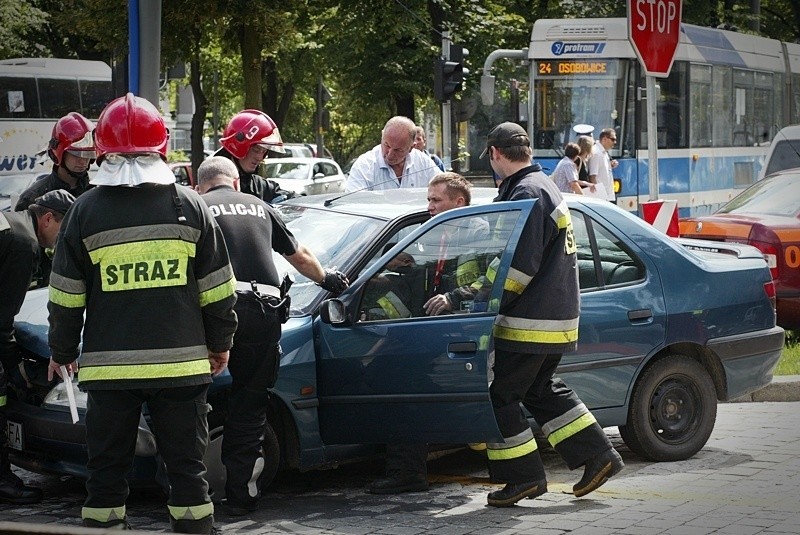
<point x="251" y="136"/>
<point x="147" y="264"/>
<point x="71" y="148"/>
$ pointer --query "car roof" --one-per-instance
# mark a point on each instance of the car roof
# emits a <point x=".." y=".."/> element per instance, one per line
<point x="302" y="160"/>
<point x="389" y="204"/>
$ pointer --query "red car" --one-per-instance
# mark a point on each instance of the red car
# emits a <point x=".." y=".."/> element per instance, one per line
<point x="767" y="216"/>
<point x="183" y="173"/>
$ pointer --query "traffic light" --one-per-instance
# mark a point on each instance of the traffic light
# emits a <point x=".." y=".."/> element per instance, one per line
<point x="448" y="74"/>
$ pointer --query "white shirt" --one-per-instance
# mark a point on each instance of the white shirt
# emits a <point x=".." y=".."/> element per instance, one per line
<point x="371" y="172"/>
<point x="600" y="165"/>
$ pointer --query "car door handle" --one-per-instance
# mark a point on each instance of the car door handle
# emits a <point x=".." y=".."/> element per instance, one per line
<point x="462" y="347"/>
<point x="639" y="315"/>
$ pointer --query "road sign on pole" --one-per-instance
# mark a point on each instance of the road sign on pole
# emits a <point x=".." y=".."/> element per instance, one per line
<point x="654" y="29"/>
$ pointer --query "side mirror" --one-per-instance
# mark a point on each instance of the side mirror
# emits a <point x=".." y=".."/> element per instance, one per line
<point x="317" y="176"/>
<point x="333" y="312"/>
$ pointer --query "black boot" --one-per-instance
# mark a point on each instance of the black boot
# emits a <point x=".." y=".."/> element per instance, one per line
<point x="597" y="471"/>
<point x="13" y="490"/>
<point x="514" y="492"/>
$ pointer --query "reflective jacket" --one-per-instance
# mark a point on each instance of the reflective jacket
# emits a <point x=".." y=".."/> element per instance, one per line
<point x="158" y="292"/>
<point x="540" y="306"/>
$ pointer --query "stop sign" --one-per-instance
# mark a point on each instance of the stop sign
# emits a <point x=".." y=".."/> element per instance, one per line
<point x="654" y="29"/>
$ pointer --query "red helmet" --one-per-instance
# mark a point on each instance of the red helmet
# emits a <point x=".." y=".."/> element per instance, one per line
<point x="248" y="128"/>
<point x="128" y="125"/>
<point x="72" y="133"/>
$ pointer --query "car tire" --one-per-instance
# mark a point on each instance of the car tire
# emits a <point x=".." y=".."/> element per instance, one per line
<point x="215" y="470"/>
<point x="672" y="410"/>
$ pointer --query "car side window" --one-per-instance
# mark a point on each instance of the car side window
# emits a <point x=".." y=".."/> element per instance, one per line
<point x="181" y="176"/>
<point x="454" y="261"/>
<point x="603" y="259"/>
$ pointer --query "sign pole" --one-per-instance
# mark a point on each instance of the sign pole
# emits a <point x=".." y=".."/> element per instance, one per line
<point x="652" y="137"/>
<point x="447" y="156"/>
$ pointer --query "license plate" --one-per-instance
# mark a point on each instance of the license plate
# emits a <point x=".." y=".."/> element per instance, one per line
<point x="14" y="435"/>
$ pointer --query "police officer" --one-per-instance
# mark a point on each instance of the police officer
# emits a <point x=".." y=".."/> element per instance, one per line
<point x="537" y="322"/>
<point x="22" y="237"/>
<point x="71" y="148"/>
<point x="251" y="136"/>
<point x="148" y="264"/>
<point x="253" y="230"/>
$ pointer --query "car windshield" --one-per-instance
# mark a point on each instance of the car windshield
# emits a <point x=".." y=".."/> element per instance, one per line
<point x="292" y="170"/>
<point x="334" y="238"/>
<point x="778" y="195"/>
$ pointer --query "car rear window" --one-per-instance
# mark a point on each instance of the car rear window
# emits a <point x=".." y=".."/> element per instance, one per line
<point x="785" y="155"/>
<point x="773" y="195"/>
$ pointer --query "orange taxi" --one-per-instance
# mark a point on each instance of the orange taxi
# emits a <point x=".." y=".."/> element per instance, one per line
<point x="767" y="216"/>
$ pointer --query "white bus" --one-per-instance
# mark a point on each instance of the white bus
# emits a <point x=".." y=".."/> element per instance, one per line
<point x="725" y="99"/>
<point x="34" y="94"/>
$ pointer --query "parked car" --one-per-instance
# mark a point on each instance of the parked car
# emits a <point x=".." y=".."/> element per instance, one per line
<point x="183" y="173"/>
<point x="304" y="176"/>
<point x="767" y="216"/>
<point x="298" y="150"/>
<point x="660" y="339"/>
<point x="783" y="152"/>
<point x="12" y="186"/>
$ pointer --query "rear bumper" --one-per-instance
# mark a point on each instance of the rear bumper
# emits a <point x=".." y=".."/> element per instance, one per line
<point x="748" y="359"/>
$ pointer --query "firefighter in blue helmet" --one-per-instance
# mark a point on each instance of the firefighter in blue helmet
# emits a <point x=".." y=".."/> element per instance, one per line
<point x="147" y="263"/>
<point x="536" y="324"/>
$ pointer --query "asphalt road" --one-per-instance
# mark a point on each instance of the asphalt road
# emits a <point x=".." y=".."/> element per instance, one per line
<point x="743" y="482"/>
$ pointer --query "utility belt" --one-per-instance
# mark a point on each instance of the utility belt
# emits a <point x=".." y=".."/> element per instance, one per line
<point x="275" y="301"/>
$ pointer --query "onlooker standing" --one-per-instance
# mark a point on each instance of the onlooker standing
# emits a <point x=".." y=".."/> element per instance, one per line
<point x="71" y="148"/>
<point x="251" y="234"/>
<point x="600" y="163"/>
<point x="420" y="143"/>
<point x="251" y="136"/>
<point x="538" y="322"/>
<point x="23" y="235"/>
<point x="585" y="143"/>
<point x="148" y="264"/>
<point x="565" y="175"/>
<point x="394" y="163"/>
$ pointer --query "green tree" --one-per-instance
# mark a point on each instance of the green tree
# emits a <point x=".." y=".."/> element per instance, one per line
<point x="20" y="21"/>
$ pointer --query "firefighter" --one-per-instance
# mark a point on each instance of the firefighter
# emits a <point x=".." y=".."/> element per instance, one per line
<point x="251" y="136"/>
<point x="71" y="148"/>
<point x="147" y="263"/>
<point x="253" y="230"/>
<point x="537" y="322"/>
<point x="22" y="238"/>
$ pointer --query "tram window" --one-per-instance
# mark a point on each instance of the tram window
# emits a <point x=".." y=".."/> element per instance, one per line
<point x="762" y="107"/>
<point x="722" y="85"/>
<point x="795" y="118"/>
<point x="58" y="97"/>
<point x="672" y="110"/>
<point x="18" y="98"/>
<point x="700" y="106"/>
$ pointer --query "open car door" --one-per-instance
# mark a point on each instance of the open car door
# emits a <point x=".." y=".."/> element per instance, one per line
<point x="389" y="372"/>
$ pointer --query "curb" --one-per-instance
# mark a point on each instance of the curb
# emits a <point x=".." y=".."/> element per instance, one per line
<point x="782" y="388"/>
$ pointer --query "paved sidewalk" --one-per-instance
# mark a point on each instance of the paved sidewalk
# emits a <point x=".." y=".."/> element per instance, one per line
<point x="782" y="388"/>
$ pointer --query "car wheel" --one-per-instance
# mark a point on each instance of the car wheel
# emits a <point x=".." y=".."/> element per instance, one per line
<point x="215" y="470"/>
<point x="672" y="410"/>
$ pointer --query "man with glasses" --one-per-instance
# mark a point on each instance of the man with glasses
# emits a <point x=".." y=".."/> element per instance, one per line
<point x="600" y="163"/>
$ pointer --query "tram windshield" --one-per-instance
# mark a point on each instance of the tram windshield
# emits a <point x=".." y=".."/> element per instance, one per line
<point x="570" y="92"/>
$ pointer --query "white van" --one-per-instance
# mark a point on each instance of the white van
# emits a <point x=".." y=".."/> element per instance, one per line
<point x="784" y="151"/>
